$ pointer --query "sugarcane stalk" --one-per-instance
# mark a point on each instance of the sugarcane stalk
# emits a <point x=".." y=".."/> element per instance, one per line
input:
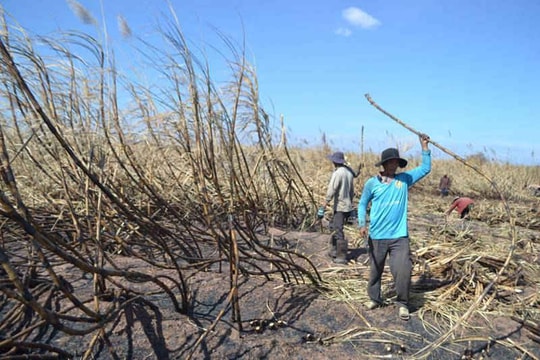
<point x="362" y="160"/>
<point x="443" y="149"/>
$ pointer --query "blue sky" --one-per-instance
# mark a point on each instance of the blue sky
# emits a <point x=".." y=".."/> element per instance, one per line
<point x="465" y="72"/>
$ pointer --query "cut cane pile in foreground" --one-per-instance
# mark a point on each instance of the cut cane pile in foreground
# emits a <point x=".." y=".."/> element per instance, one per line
<point x="173" y="221"/>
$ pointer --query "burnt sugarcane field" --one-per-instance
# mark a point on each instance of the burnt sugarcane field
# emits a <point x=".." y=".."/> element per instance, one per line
<point x="177" y="220"/>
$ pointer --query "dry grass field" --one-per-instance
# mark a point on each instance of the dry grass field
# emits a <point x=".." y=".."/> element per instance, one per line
<point x="177" y="222"/>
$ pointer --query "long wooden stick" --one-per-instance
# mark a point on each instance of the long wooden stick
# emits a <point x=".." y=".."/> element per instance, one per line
<point x="425" y="351"/>
<point x="443" y="149"/>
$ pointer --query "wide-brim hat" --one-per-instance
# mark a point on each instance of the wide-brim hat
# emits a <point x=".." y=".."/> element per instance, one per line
<point x="337" y="157"/>
<point x="389" y="154"/>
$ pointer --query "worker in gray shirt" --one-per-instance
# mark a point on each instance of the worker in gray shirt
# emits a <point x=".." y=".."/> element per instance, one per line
<point x="341" y="193"/>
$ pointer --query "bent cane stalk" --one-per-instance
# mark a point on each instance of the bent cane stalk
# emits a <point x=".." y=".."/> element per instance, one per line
<point x="425" y="351"/>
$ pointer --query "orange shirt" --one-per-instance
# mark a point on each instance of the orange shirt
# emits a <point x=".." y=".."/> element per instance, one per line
<point x="460" y="204"/>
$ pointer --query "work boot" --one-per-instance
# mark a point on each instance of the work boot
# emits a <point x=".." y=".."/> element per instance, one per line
<point x="333" y="251"/>
<point x="341" y="252"/>
<point x="403" y="313"/>
<point x="340" y="261"/>
<point x="370" y="305"/>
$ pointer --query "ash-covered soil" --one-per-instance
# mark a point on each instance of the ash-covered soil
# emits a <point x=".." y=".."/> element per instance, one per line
<point x="284" y="321"/>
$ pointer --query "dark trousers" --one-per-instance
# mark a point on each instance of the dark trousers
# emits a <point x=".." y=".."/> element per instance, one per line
<point x="400" y="267"/>
<point x="339" y="243"/>
<point x="465" y="212"/>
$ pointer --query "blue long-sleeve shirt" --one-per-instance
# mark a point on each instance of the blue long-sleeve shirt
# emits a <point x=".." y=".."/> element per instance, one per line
<point x="388" y="214"/>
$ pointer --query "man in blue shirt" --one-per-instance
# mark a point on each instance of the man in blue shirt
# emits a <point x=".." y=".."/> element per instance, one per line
<point x="388" y="231"/>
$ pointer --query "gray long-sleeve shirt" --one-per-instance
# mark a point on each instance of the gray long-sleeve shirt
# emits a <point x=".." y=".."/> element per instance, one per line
<point x="341" y="189"/>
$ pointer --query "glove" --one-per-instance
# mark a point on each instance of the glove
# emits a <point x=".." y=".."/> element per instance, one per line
<point x="320" y="212"/>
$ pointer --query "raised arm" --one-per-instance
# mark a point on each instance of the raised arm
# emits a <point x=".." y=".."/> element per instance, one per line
<point x="425" y="167"/>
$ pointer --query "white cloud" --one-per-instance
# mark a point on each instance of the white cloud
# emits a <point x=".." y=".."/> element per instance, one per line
<point x="357" y="17"/>
<point x="343" y="31"/>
